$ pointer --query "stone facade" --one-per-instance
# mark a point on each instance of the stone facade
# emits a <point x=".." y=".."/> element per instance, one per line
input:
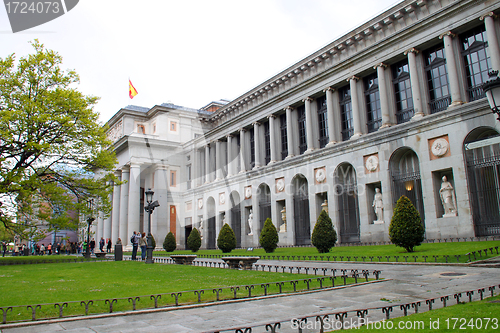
<point x="395" y="104"/>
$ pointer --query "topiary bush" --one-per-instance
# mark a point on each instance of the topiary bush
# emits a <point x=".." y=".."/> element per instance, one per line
<point x="227" y="239"/>
<point x="269" y="236"/>
<point x="324" y="235"/>
<point x="169" y="244"/>
<point x="153" y="242"/>
<point x="406" y="228"/>
<point x="194" y="240"/>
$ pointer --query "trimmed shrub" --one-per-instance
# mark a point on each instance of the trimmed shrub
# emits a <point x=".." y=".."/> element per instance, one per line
<point x="324" y="235"/>
<point x="169" y="244"/>
<point x="406" y="228"/>
<point x="153" y="242"/>
<point x="194" y="240"/>
<point x="269" y="236"/>
<point x="227" y="239"/>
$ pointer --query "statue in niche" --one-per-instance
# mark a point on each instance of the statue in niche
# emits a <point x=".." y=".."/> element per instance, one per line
<point x="250" y="223"/>
<point x="447" y="194"/>
<point x="201" y="228"/>
<point x="378" y="206"/>
<point x="283" y="217"/>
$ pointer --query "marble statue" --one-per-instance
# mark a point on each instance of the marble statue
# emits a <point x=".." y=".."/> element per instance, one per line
<point x="378" y="206"/>
<point x="283" y="217"/>
<point x="447" y="194"/>
<point x="250" y="223"/>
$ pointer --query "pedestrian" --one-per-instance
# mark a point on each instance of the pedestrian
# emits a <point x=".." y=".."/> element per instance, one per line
<point x="42" y="249"/>
<point x="58" y="248"/>
<point x="119" y="241"/>
<point x="101" y="244"/>
<point x="49" y="249"/>
<point x="135" y="243"/>
<point x="92" y="246"/>
<point x="108" y="246"/>
<point x="143" y="244"/>
<point x="4" y="249"/>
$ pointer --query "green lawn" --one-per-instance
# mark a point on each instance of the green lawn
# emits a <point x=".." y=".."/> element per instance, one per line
<point x="65" y="282"/>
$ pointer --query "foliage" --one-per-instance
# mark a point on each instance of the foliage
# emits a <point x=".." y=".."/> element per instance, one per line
<point x="324" y="235"/>
<point x="406" y="228"/>
<point x="227" y="239"/>
<point x="194" y="240"/>
<point x="269" y="236"/>
<point x="153" y="241"/>
<point x="51" y="143"/>
<point x="169" y="244"/>
<point x="6" y="235"/>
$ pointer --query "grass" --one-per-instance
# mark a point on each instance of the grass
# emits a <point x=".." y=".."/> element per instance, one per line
<point x="374" y="251"/>
<point x="44" y="259"/>
<point x="463" y="317"/>
<point x="99" y="281"/>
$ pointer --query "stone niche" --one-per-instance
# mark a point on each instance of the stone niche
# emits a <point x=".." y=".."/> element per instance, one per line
<point x="437" y="181"/>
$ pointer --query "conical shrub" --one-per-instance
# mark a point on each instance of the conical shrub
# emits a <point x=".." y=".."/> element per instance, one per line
<point x="227" y="239"/>
<point x="269" y="236"/>
<point x="406" y="228"/>
<point x="169" y="244"/>
<point x="194" y="240"/>
<point x="324" y="235"/>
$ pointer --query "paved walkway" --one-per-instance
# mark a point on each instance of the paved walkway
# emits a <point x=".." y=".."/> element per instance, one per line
<point x="407" y="283"/>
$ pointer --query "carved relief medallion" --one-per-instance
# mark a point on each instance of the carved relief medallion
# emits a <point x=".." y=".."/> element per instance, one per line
<point x="440" y="147"/>
<point x="320" y="175"/>
<point x="280" y="184"/>
<point x="222" y="198"/>
<point x="200" y="203"/>
<point x="371" y="163"/>
<point x="248" y="192"/>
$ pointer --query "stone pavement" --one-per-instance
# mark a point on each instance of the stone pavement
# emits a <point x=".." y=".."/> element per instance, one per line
<point x="406" y="284"/>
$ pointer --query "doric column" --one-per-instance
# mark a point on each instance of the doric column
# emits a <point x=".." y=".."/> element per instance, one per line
<point x="242" y="151"/>
<point x="309" y="125"/>
<point x="133" y="198"/>
<point x="230" y="158"/>
<point x="415" y="86"/>
<point x="207" y="164"/>
<point x="106" y="231"/>
<point x="256" y="140"/>
<point x="160" y="216"/>
<point x="115" y="213"/>
<point x="384" y="95"/>
<point x="124" y="205"/>
<point x="272" y="138"/>
<point x="289" y="129"/>
<point x="356" y="116"/>
<point x="451" y="65"/>
<point x="218" y="160"/>
<point x="330" y="115"/>
<point x="196" y="167"/>
<point x="493" y="48"/>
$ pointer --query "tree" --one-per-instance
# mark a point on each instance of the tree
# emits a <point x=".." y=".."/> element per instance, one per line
<point x="170" y="244"/>
<point x="269" y="236"/>
<point x="51" y="142"/>
<point x="194" y="240"/>
<point x="406" y="228"/>
<point x="227" y="239"/>
<point x="324" y="236"/>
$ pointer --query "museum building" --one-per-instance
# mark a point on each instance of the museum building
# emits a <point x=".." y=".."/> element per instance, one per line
<point x="394" y="107"/>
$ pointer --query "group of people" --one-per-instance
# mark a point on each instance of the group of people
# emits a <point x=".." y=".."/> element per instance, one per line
<point x="102" y="243"/>
<point x="137" y="240"/>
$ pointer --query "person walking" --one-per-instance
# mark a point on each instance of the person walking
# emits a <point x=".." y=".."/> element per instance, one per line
<point x="135" y="243"/>
<point x="143" y="244"/>
<point x="108" y="246"/>
<point x="101" y="244"/>
<point x="92" y="246"/>
<point x="4" y="249"/>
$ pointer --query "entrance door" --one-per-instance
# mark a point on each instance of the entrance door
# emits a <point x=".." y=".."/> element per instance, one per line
<point x="236" y="223"/>
<point x="302" y="225"/>
<point x="347" y="198"/>
<point x="187" y="232"/>
<point x="173" y="220"/>
<point x="211" y="233"/>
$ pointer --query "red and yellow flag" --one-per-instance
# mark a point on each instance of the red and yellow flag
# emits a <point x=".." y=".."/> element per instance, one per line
<point x="131" y="90"/>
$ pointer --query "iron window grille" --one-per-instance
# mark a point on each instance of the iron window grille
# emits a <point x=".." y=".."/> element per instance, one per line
<point x="302" y="129"/>
<point x="322" y="121"/>
<point x="284" y="138"/>
<point x="372" y="98"/>
<point x="346" y="113"/>
<point x="402" y="92"/>
<point x="437" y="79"/>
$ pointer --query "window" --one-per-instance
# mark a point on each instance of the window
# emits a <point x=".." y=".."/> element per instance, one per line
<point x="173" y="126"/>
<point x="154" y="128"/>
<point x="437" y="79"/>
<point x="476" y="60"/>
<point x="372" y="98"/>
<point x="284" y="138"/>
<point x="267" y="142"/>
<point x="252" y="148"/>
<point x="238" y="167"/>
<point x="141" y="129"/>
<point x="346" y="113"/>
<point x="173" y="178"/>
<point x="402" y="91"/>
<point x="322" y="121"/>
<point x="189" y="177"/>
<point x="301" y="110"/>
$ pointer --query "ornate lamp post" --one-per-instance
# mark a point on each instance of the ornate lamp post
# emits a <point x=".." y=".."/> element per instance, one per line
<point x="149" y="209"/>
<point x="492" y="90"/>
<point x="90" y="219"/>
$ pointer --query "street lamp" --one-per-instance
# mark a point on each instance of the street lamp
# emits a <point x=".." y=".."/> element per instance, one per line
<point x="492" y="90"/>
<point x="90" y="219"/>
<point x="149" y="209"/>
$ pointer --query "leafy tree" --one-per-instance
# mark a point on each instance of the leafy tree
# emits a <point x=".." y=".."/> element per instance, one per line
<point x="324" y="236"/>
<point x="227" y="239"/>
<point x="170" y="244"/>
<point x="51" y="142"/>
<point x="269" y="236"/>
<point x="194" y="240"/>
<point x="406" y="228"/>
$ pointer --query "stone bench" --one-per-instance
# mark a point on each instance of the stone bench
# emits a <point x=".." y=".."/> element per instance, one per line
<point x="100" y="254"/>
<point x="183" y="259"/>
<point x="240" y="262"/>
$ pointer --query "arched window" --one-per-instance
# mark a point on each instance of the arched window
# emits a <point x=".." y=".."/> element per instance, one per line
<point x="347" y="198"/>
<point x="302" y="218"/>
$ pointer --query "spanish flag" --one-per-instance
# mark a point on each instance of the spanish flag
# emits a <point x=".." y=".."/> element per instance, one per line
<point x="131" y="90"/>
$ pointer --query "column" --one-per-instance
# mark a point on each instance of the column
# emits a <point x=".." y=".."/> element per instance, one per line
<point x="207" y="164"/>
<point x="218" y="160"/>
<point x="230" y="158"/>
<point x="289" y="129"/>
<point x="242" y="150"/>
<point x="196" y="168"/>
<point x="309" y="126"/>
<point x="115" y="214"/>
<point x="493" y="48"/>
<point x="384" y="95"/>
<point x="123" y="233"/>
<point x="272" y="138"/>
<point x="331" y="117"/>
<point x="451" y="65"/>
<point x="256" y="139"/>
<point x="106" y="232"/>
<point x="415" y="86"/>
<point x="159" y="218"/>
<point x="133" y="199"/>
<point x="356" y="116"/>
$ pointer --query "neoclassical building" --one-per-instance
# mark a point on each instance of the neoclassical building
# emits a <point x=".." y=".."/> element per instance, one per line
<point x="394" y="107"/>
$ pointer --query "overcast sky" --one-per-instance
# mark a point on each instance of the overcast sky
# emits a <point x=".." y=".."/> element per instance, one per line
<point x="186" y="52"/>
